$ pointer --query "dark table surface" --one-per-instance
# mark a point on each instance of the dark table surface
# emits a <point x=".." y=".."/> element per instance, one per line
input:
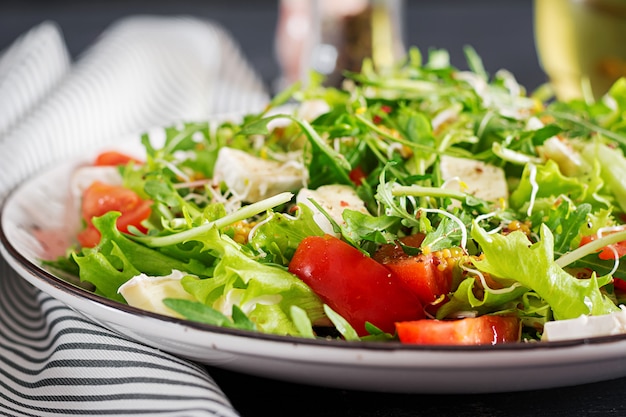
<point x="500" y="31"/>
<point x="254" y="396"/>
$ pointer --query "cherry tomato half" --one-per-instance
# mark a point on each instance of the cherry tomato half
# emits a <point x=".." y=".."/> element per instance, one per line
<point x="114" y="158"/>
<point x="100" y="198"/>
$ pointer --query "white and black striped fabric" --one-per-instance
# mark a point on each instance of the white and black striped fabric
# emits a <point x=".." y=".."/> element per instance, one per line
<point x="143" y="72"/>
<point x="54" y="362"/>
<point x="29" y="69"/>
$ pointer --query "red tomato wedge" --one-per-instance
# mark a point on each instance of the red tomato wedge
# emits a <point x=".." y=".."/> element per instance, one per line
<point x="114" y="158"/>
<point x="101" y="198"/>
<point x="429" y="276"/>
<point x="483" y="330"/>
<point x="606" y="253"/>
<point x="354" y="285"/>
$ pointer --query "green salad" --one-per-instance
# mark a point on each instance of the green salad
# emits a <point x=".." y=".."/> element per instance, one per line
<point x="421" y="204"/>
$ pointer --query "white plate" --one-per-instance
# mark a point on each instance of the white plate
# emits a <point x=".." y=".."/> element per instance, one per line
<point x="41" y="204"/>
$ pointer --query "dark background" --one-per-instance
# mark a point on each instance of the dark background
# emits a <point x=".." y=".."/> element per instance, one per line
<point x="500" y="30"/>
<point x="502" y="33"/>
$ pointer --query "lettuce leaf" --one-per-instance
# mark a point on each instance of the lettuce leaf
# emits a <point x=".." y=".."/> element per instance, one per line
<point x="264" y="292"/>
<point x="613" y="169"/>
<point x="550" y="182"/>
<point x="464" y="299"/>
<point x="278" y="237"/>
<point x="117" y="258"/>
<point x="512" y="257"/>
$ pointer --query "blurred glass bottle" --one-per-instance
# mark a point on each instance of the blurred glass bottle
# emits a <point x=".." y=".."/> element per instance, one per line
<point x="332" y="36"/>
<point x="581" y="45"/>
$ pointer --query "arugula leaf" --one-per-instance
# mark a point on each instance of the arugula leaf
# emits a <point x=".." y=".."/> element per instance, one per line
<point x="195" y="311"/>
<point x="326" y="165"/>
<point x="378" y="229"/>
<point x="566" y="221"/>
<point x="446" y="235"/>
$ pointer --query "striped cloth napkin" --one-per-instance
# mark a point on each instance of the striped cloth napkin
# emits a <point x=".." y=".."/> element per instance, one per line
<point x="144" y="71"/>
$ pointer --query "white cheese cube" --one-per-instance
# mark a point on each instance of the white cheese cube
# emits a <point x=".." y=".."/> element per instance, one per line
<point x="334" y="199"/>
<point x="147" y="292"/>
<point x="586" y="326"/>
<point x="570" y="162"/>
<point x="477" y="178"/>
<point x="254" y="179"/>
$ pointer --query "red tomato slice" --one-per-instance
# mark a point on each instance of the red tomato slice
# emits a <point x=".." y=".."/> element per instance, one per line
<point x="113" y="158"/>
<point x="353" y="284"/>
<point x="606" y="253"/>
<point x="101" y="198"/>
<point x="428" y="276"/>
<point x="619" y="283"/>
<point x="483" y="330"/>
